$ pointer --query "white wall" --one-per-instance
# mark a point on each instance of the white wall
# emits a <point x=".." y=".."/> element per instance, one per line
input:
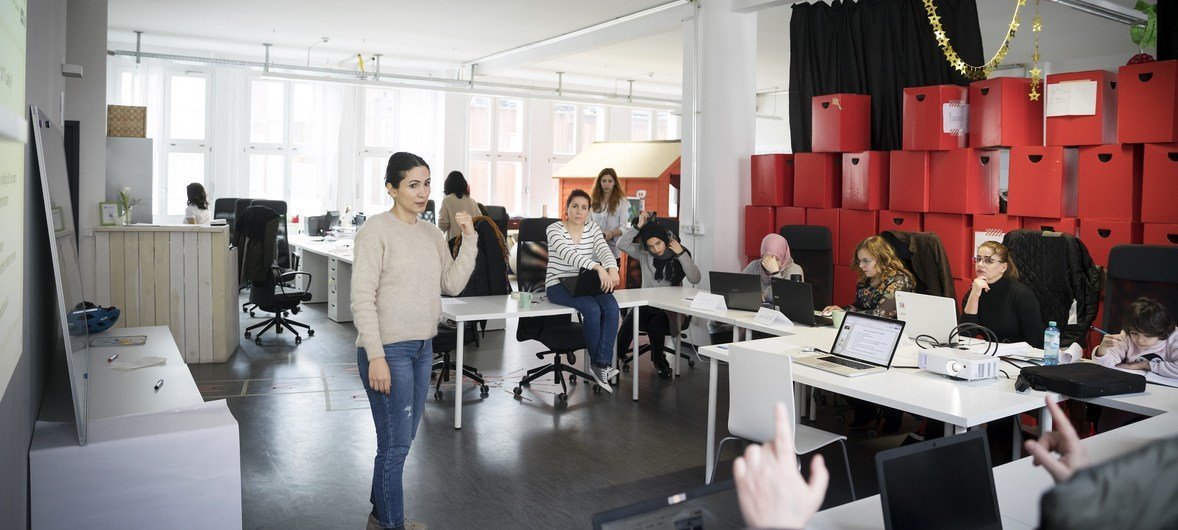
<point x="86" y="102"/>
<point x="773" y="136"/>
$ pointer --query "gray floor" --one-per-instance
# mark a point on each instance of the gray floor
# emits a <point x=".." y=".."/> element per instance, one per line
<point x="307" y="439"/>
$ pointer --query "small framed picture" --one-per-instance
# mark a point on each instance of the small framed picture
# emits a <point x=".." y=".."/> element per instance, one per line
<point x="108" y="213"/>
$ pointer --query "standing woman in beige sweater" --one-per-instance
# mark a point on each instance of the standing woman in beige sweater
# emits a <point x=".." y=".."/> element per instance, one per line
<point x="401" y="267"/>
<point x="456" y="201"/>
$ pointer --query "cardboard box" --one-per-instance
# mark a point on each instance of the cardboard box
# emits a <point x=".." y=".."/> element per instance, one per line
<point x="818" y="180"/>
<point x="758" y="222"/>
<point x="1147" y="103"/>
<point x="903" y="221"/>
<point x="854" y="226"/>
<point x="1077" y="129"/>
<point x="908" y="181"/>
<point x="1002" y="114"/>
<point x="1159" y="183"/>
<point x="1042" y="182"/>
<point x="925" y="110"/>
<point x="840" y="123"/>
<point x="964" y="181"/>
<point x="773" y="180"/>
<point x="865" y="180"/>
<point x="1101" y="235"/>
<point x="1110" y="182"/>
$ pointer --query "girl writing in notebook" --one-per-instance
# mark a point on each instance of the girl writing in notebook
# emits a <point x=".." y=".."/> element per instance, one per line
<point x="1148" y="340"/>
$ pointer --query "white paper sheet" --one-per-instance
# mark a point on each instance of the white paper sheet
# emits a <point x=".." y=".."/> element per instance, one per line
<point x="1071" y="98"/>
<point x="955" y="117"/>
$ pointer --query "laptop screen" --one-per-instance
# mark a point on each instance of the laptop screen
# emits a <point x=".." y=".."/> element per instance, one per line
<point x="941" y="483"/>
<point x="868" y="338"/>
<point x="712" y="506"/>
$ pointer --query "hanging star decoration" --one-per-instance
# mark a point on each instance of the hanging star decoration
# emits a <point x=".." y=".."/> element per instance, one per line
<point x="1035" y="71"/>
<point x="967" y="70"/>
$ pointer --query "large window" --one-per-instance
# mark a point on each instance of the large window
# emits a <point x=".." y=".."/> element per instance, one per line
<point x="495" y="161"/>
<point x="185" y="146"/>
<point x="640" y="125"/>
<point x="283" y="159"/>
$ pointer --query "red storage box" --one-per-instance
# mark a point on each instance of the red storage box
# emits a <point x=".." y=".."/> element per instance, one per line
<point x="956" y="235"/>
<point x="828" y="217"/>
<point x="1001" y="113"/>
<point x="1100" y="236"/>
<point x="854" y="226"/>
<point x="1083" y="129"/>
<point x="1159" y="234"/>
<point x="908" y="181"/>
<point x="905" y="221"/>
<point x="840" y="123"/>
<point x="1148" y="103"/>
<point x="865" y="180"/>
<point x="1159" y="183"/>
<point x="1066" y="225"/>
<point x="1110" y="182"/>
<point x="997" y="222"/>
<point x="758" y="221"/>
<point x="964" y="181"/>
<point x="773" y="180"/>
<point x="818" y="180"/>
<point x="924" y="117"/>
<point x="1042" y="182"/>
<point x="845" y="279"/>
<point x="789" y="215"/>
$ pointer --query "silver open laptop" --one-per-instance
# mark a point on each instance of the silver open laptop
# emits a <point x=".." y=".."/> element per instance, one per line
<point x="865" y="344"/>
<point x="924" y="314"/>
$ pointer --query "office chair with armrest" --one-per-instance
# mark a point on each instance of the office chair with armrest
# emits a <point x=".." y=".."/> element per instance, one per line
<point x="269" y="289"/>
<point x="559" y="333"/>
<point x="1059" y="270"/>
<point x="498" y="214"/>
<point x="757" y="381"/>
<point x="812" y="249"/>
<point x="226" y="208"/>
<point x="1135" y="271"/>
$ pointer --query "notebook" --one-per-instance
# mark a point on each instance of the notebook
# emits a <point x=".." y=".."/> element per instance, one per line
<point x="795" y="300"/>
<point x="940" y="483"/>
<point x="865" y="344"/>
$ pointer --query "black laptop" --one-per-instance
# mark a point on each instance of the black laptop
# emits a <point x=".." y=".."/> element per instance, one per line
<point x="795" y="300"/>
<point x="940" y="483"/>
<point x="740" y="291"/>
<point x="712" y="506"/>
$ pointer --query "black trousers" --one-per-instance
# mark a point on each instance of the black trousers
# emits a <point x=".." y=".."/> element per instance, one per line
<point x="657" y="325"/>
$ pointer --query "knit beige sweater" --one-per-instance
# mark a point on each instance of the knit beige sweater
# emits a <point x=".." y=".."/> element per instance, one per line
<point x="398" y="276"/>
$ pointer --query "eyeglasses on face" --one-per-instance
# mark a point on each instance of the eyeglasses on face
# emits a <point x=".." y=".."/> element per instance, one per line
<point x="865" y="261"/>
<point x="988" y="260"/>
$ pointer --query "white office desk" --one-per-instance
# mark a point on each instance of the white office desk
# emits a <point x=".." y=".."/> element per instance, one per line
<point x="330" y="265"/>
<point x="1019" y="484"/>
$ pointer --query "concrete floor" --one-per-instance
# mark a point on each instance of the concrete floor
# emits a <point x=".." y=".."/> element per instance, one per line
<point x="307" y="439"/>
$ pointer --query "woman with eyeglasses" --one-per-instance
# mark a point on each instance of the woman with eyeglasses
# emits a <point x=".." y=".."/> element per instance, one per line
<point x="999" y="301"/>
<point x="881" y="274"/>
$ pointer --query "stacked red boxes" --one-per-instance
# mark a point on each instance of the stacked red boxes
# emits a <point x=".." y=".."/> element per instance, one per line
<point x="1147" y="103"/>
<point x="956" y="233"/>
<point x="773" y="180"/>
<point x="1110" y="182"/>
<point x="1065" y="225"/>
<point x="758" y="221"/>
<point x="1159" y="184"/>
<point x="1101" y="235"/>
<point x="964" y="181"/>
<point x="828" y="217"/>
<point x="925" y="109"/>
<point x="854" y="226"/>
<point x="817" y="180"/>
<point x="1160" y="234"/>
<point x="845" y="279"/>
<point x="1084" y="129"/>
<point x="996" y="223"/>
<point x="903" y="221"/>
<point x="789" y="215"/>
<point x="1042" y="182"/>
<point x="908" y="181"/>
<point x="840" y="123"/>
<point x="1001" y="113"/>
<point x="865" y="180"/>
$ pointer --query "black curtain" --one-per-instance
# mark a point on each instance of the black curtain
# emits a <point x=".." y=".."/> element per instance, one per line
<point x="875" y="47"/>
<point x="1167" y="30"/>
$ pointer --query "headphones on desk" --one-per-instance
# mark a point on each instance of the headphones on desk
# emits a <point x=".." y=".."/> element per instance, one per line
<point x="87" y="316"/>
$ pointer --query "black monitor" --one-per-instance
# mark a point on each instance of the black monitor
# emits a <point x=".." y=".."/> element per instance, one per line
<point x="316" y="225"/>
<point x="331" y="220"/>
<point x="941" y="483"/>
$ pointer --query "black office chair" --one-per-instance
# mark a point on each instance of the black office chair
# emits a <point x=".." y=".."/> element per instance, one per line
<point x="1059" y="270"/>
<point x="226" y="208"/>
<point x="269" y="289"/>
<point x="1135" y="271"/>
<point x="429" y="215"/>
<point x="498" y="214"/>
<point x="812" y="249"/>
<point x="283" y="248"/>
<point x="559" y="333"/>
<point x="488" y="278"/>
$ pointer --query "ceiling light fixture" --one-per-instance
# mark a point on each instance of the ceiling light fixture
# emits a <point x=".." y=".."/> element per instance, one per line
<point x="1106" y="10"/>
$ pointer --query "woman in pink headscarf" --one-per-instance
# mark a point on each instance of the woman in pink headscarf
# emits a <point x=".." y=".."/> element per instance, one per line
<point x="775" y="262"/>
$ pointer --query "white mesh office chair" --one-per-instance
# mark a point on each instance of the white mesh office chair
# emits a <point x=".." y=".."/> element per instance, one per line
<point x="758" y="380"/>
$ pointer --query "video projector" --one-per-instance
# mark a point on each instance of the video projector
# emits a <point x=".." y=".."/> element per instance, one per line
<point x="958" y="364"/>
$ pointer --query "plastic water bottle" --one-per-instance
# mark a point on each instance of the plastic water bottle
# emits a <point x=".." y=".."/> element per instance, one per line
<point x="1051" y="344"/>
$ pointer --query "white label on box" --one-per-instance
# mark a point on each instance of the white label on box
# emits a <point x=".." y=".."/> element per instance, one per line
<point x="1071" y="98"/>
<point x="772" y="317"/>
<point x="955" y="118"/>
<point x="709" y="302"/>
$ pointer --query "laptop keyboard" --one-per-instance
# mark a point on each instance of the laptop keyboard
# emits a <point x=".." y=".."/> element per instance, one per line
<point x="846" y="362"/>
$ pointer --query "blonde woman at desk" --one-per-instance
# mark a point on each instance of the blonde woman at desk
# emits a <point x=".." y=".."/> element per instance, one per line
<point x="881" y="274"/>
<point x="197" y="212"/>
<point x="402" y="265"/>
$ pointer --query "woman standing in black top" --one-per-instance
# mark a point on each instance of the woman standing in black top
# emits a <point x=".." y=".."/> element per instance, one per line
<point x="998" y="301"/>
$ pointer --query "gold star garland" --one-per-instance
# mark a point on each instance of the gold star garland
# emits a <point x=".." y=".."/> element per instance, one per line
<point x="1035" y="71"/>
<point x="968" y="70"/>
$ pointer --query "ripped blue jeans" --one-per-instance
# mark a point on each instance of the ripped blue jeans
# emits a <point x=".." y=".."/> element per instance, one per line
<point x="396" y="416"/>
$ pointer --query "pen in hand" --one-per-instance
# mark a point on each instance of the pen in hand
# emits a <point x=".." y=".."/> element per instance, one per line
<point x="1101" y="331"/>
<point x="158" y="384"/>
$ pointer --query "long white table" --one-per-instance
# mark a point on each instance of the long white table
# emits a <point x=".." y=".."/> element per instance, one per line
<point x="330" y="265"/>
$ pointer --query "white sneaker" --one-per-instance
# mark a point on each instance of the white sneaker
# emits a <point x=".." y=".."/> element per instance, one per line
<point x="611" y="373"/>
<point x="601" y="377"/>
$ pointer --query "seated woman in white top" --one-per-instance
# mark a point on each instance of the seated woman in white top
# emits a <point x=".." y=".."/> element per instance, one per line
<point x="197" y="212"/>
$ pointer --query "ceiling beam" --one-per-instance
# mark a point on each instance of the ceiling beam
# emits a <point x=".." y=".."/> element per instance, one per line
<point x="645" y="23"/>
<point x="752" y="6"/>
